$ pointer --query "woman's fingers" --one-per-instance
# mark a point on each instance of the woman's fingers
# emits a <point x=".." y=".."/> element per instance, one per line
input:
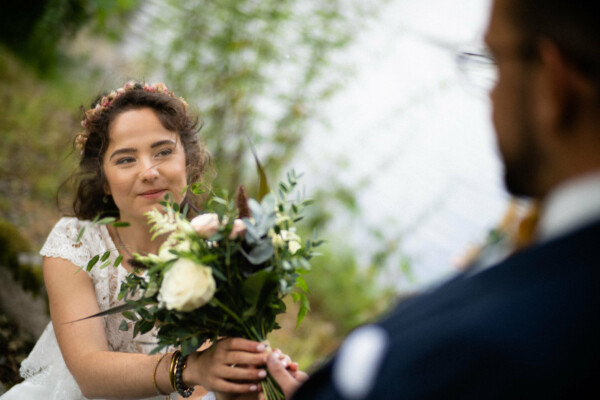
<point x="226" y="386"/>
<point x="231" y="344"/>
<point x="241" y="373"/>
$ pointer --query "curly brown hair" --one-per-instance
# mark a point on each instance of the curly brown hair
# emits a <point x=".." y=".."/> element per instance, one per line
<point x="90" y="200"/>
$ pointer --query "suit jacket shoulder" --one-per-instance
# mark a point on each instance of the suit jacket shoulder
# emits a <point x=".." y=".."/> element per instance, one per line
<point x="526" y="327"/>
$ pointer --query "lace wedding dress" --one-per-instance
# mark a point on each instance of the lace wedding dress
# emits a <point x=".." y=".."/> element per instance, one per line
<point x="45" y="372"/>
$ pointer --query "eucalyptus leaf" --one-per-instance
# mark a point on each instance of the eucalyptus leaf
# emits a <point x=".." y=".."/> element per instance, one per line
<point x="261" y="253"/>
<point x="219" y="275"/>
<point x="124" y="326"/>
<point x="251" y="235"/>
<point x="301" y="283"/>
<point x="304" y="309"/>
<point x="130" y="315"/>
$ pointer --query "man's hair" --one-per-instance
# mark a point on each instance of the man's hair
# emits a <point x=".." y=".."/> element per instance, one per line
<point x="572" y="26"/>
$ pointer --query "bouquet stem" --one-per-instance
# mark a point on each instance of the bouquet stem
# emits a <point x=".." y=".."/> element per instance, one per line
<point x="271" y="389"/>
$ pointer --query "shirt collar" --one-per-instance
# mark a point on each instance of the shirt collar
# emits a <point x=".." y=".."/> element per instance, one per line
<point x="571" y="205"/>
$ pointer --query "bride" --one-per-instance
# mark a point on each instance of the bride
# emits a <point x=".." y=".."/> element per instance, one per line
<point x="139" y="143"/>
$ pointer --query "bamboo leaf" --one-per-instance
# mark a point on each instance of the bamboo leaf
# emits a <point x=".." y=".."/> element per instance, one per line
<point x="92" y="262"/>
<point x="121" y="224"/>
<point x="105" y="256"/>
<point x="263" y="185"/>
<point x="80" y="234"/>
<point x="118" y="261"/>
<point x="114" y="310"/>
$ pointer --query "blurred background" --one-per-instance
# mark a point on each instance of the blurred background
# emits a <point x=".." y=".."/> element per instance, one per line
<point x="364" y="97"/>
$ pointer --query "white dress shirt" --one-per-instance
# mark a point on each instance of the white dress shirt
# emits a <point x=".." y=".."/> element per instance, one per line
<point x="571" y="205"/>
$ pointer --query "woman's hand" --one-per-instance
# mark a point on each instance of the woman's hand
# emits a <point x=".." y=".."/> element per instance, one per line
<point x="231" y="366"/>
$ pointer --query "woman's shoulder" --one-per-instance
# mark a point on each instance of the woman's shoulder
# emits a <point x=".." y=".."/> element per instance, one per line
<point x="75" y="240"/>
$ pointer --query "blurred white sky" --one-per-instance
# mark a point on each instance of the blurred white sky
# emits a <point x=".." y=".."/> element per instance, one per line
<point x="408" y="125"/>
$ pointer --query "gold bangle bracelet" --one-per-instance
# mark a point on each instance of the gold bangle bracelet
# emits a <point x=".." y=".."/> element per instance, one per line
<point x="158" y="391"/>
<point x="174" y="360"/>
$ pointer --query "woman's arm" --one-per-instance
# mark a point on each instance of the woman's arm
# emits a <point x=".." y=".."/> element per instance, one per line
<point x="103" y="373"/>
<point x="98" y="371"/>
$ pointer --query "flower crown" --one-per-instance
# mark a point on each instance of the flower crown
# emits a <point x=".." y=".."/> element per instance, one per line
<point x="107" y="100"/>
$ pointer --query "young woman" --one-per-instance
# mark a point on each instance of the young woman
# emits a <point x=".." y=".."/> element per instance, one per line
<point x="139" y="143"/>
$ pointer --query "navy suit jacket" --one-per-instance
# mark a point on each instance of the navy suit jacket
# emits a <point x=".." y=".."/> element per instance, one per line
<point x="526" y="328"/>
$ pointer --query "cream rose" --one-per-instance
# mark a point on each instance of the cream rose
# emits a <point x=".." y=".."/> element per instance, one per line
<point x="187" y="286"/>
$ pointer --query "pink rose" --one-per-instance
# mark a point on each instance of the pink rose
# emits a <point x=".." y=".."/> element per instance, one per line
<point x="207" y="225"/>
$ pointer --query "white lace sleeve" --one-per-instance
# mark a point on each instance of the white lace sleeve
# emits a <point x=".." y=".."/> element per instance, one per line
<point x="62" y="242"/>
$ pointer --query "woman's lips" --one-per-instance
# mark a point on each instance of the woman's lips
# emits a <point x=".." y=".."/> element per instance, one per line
<point x="153" y="194"/>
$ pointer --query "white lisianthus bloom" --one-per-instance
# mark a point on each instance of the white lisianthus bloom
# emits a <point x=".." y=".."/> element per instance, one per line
<point x="294" y="246"/>
<point x="164" y="254"/>
<point x="152" y="286"/>
<point x="187" y="286"/>
<point x="281" y="218"/>
<point x="292" y="240"/>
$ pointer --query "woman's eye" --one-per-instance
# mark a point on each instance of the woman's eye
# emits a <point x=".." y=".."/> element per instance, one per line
<point x="164" y="152"/>
<point x="125" y="160"/>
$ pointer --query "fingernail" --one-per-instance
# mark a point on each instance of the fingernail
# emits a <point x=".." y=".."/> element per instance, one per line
<point x="253" y="388"/>
<point x="285" y="362"/>
<point x="262" y="373"/>
<point x="261" y="347"/>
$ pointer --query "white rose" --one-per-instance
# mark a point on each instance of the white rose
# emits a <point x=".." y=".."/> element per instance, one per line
<point x="187" y="286"/>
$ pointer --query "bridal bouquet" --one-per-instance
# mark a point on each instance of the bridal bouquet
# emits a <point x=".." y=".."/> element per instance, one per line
<point x="222" y="274"/>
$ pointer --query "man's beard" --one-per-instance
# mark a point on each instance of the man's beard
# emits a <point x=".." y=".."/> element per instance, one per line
<point x="522" y="168"/>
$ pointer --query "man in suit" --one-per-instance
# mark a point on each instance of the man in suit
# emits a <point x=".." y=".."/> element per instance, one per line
<point x="528" y="327"/>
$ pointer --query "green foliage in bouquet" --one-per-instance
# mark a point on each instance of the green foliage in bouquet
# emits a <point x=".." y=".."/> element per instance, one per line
<point x="203" y="288"/>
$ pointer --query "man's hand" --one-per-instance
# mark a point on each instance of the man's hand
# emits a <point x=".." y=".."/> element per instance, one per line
<point x="289" y="379"/>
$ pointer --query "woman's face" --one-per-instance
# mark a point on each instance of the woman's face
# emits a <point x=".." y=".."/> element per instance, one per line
<point x="143" y="162"/>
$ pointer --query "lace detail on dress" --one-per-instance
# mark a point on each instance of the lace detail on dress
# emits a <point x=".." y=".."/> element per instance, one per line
<point x="45" y="365"/>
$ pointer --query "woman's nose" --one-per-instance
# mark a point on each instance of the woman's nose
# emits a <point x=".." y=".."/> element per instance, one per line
<point x="150" y="173"/>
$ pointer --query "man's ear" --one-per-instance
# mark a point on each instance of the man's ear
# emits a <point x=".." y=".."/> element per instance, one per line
<point x="563" y="88"/>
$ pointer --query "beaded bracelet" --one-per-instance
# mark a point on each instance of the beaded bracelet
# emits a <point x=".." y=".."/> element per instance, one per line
<point x="181" y="387"/>
<point x="174" y="360"/>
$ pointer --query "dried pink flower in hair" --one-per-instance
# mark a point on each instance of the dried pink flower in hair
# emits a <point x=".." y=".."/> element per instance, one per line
<point x="106" y="102"/>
